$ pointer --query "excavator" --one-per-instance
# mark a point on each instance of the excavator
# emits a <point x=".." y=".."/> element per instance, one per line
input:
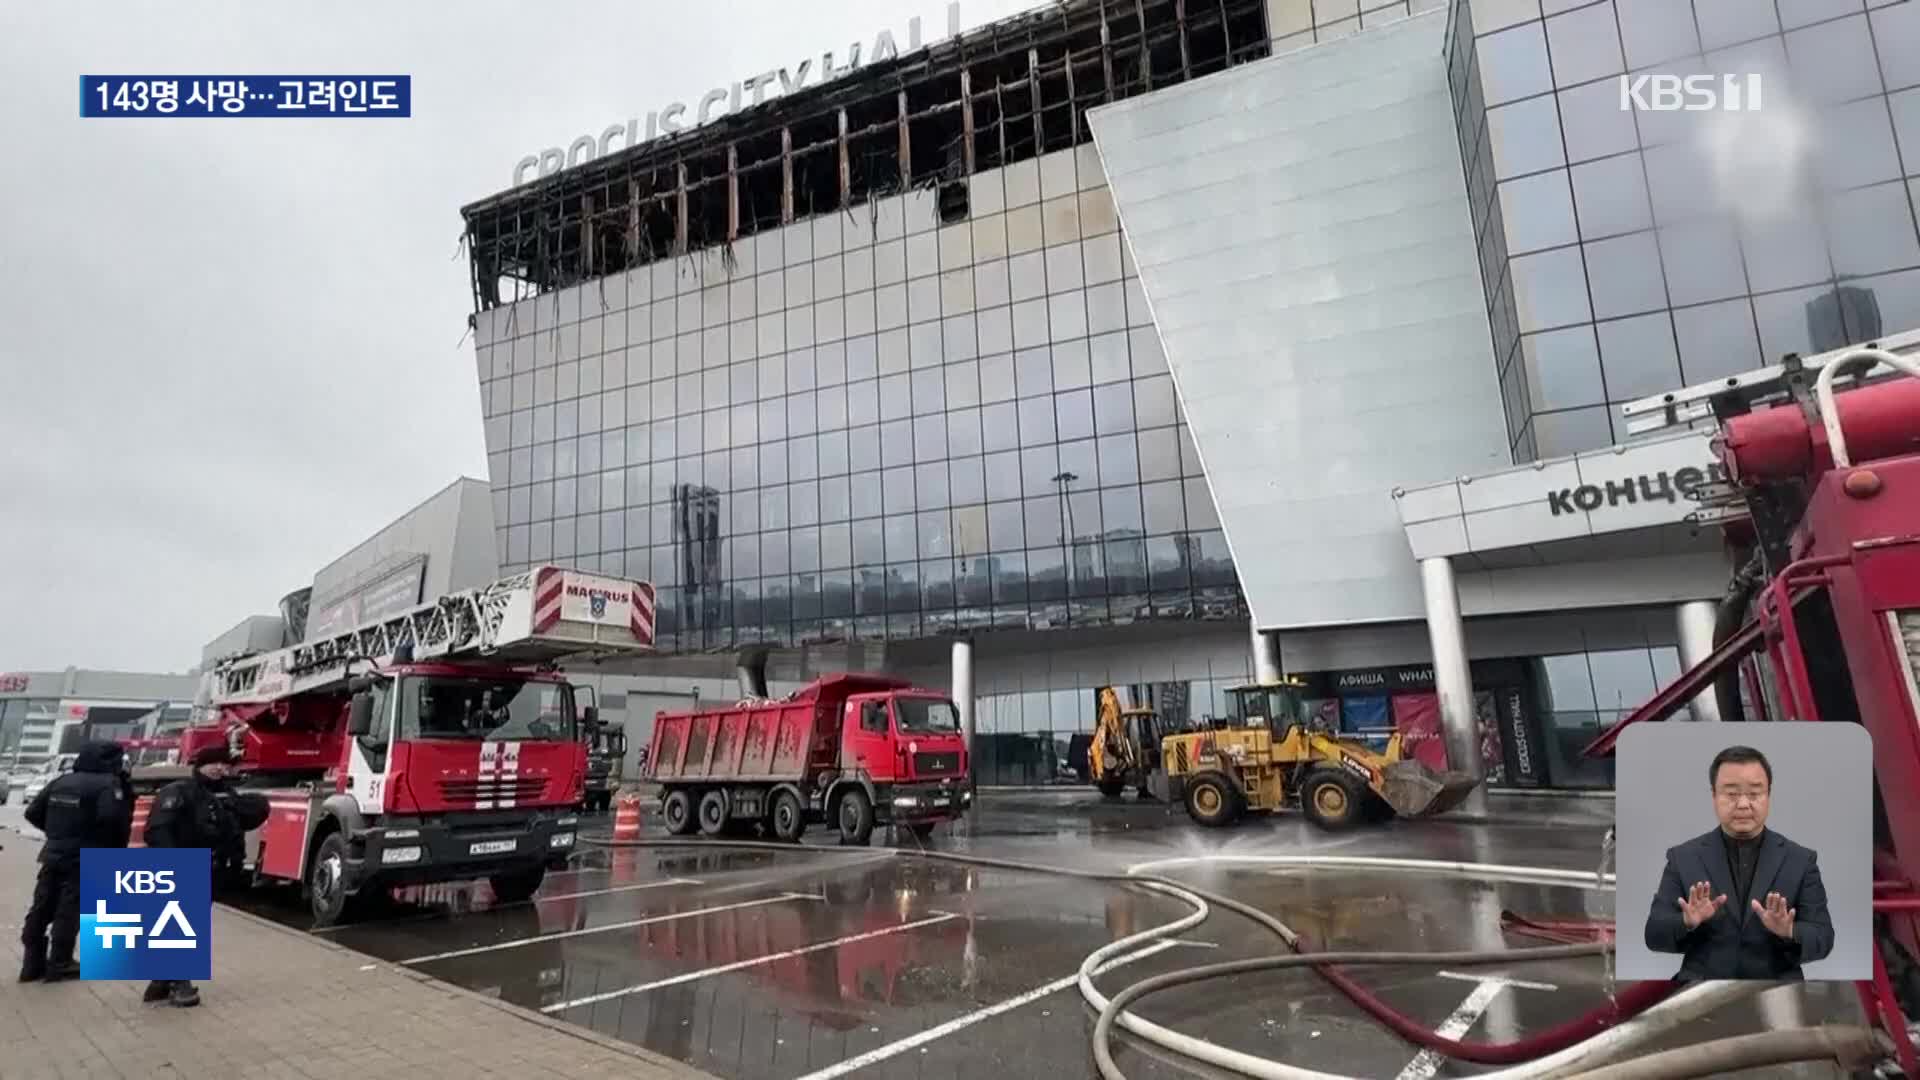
<point x="1268" y="753"/>
<point x="1125" y="751"/>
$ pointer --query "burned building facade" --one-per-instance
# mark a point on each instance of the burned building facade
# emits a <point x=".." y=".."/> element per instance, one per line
<point x="1089" y="336"/>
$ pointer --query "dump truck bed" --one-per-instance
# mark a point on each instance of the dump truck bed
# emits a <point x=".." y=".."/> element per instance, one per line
<point x="770" y="742"/>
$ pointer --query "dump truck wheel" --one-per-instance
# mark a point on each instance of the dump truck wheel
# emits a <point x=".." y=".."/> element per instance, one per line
<point x="678" y="812"/>
<point x="1112" y="787"/>
<point x="854" y="814"/>
<point x="1333" y="800"/>
<point x="787" y="820"/>
<point x="713" y="813"/>
<point x="1212" y="802"/>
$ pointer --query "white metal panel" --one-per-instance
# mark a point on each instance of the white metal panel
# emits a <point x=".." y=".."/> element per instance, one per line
<point x="1522" y="485"/>
<point x="1303" y="238"/>
<point x="1430" y="503"/>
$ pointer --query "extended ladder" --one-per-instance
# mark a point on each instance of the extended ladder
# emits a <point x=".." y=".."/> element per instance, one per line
<point x="539" y="616"/>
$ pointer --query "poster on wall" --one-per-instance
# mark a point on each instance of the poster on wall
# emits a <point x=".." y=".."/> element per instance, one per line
<point x="1372" y="703"/>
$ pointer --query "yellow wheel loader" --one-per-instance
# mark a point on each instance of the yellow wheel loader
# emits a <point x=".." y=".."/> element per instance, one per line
<point x="1125" y="749"/>
<point x="1266" y="755"/>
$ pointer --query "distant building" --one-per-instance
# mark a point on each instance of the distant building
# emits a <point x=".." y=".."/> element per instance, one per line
<point x="39" y="708"/>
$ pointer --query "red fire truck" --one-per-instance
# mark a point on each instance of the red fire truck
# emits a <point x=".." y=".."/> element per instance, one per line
<point x="852" y="750"/>
<point x="1822" y="620"/>
<point x="435" y="745"/>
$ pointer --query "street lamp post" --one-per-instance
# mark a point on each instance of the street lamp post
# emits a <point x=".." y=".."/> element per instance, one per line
<point x="1065" y="480"/>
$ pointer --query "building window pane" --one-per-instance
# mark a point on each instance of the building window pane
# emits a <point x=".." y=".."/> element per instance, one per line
<point x="1638" y="356"/>
<point x="1560" y="433"/>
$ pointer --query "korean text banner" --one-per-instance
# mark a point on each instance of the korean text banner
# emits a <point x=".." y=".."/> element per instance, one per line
<point x="146" y="913"/>
<point x="134" y="96"/>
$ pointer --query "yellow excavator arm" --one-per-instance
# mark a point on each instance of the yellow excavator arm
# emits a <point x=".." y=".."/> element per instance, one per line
<point x="1112" y="750"/>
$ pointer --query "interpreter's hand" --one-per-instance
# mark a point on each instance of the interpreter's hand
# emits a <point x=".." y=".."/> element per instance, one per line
<point x="1700" y="904"/>
<point x="1776" y="916"/>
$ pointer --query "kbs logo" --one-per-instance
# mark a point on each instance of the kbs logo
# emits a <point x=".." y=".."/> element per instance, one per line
<point x="1690" y="93"/>
<point x="146" y="913"/>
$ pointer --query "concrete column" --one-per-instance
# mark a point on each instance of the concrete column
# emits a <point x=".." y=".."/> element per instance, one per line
<point x="963" y="688"/>
<point x="1694" y="621"/>
<point x="1451" y="676"/>
<point x="1266" y="654"/>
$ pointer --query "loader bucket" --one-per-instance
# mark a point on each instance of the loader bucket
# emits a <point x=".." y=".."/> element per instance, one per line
<point x="1413" y="790"/>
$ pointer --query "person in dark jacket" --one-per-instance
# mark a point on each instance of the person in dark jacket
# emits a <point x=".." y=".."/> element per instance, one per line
<point x="90" y="807"/>
<point x="192" y="813"/>
<point x="1741" y="901"/>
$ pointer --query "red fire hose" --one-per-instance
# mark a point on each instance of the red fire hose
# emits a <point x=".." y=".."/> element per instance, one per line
<point x="1634" y="1000"/>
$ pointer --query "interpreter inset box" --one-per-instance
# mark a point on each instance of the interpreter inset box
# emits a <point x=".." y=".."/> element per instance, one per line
<point x="1744" y="851"/>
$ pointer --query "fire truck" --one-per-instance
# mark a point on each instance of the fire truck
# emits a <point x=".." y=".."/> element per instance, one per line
<point x="438" y="744"/>
<point x="1821" y="511"/>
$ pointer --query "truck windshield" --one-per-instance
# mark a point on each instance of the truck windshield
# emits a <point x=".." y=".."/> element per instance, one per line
<point x="927" y="715"/>
<point x="441" y="707"/>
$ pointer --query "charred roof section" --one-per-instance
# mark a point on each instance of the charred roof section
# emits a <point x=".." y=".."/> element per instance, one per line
<point x="1002" y="94"/>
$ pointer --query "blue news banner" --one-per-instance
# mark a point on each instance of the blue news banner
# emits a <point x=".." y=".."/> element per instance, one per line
<point x="121" y="96"/>
<point x="146" y="913"/>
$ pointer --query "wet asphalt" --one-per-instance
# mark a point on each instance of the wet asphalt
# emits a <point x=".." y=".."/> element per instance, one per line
<point x="828" y="961"/>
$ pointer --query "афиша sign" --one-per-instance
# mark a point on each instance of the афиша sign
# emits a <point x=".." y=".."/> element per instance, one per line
<point x="722" y="100"/>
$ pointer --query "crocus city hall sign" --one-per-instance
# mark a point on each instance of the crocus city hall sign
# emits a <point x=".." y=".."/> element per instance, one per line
<point x="722" y="100"/>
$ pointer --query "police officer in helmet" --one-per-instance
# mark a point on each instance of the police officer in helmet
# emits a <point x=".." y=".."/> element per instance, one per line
<point x="193" y="813"/>
<point x="92" y="806"/>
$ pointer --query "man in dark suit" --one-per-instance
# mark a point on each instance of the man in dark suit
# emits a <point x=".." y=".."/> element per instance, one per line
<point x="1742" y="901"/>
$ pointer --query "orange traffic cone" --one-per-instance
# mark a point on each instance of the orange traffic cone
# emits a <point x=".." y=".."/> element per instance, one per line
<point x="141" y="806"/>
<point x="626" y="818"/>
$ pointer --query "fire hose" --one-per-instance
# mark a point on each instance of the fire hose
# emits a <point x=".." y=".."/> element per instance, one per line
<point x="1605" y="1035"/>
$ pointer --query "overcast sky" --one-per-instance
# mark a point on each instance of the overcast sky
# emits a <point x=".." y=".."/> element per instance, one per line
<point x="233" y="349"/>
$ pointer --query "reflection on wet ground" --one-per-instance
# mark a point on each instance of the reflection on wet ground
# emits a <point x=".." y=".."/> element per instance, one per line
<point x="829" y="961"/>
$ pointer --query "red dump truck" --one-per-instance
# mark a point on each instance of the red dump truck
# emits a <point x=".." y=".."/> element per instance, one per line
<point x="854" y="751"/>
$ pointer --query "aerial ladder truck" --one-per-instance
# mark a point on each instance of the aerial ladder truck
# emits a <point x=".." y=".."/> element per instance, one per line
<point x="442" y="743"/>
<point x="1821" y="622"/>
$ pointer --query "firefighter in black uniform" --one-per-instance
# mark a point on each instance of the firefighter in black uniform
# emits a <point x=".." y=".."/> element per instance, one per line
<point x="92" y="806"/>
<point x="193" y="813"/>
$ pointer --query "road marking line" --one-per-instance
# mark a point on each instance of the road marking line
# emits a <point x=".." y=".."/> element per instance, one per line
<point x="1502" y="979"/>
<point x="1427" y="1064"/>
<point x="937" y="917"/>
<point x="610" y="927"/>
<point x="959" y="1023"/>
<point x="426" y="915"/>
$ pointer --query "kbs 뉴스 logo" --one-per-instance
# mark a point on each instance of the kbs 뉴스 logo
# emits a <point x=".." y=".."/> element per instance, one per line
<point x="146" y="913"/>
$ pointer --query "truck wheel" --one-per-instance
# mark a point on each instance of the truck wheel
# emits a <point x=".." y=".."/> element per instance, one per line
<point x="327" y="881"/>
<point x="1212" y="802"/>
<point x="788" y="819"/>
<point x="678" y="812"/>
<point x="855" y="815"/>
<point x="713" y="813"/>
<point x="518" y="887"/>
<point x="1333" y="800"/>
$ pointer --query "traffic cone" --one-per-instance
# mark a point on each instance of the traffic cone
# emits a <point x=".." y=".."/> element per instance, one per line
<point x="626" y="818"/>
<point x="141" y="806"/>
